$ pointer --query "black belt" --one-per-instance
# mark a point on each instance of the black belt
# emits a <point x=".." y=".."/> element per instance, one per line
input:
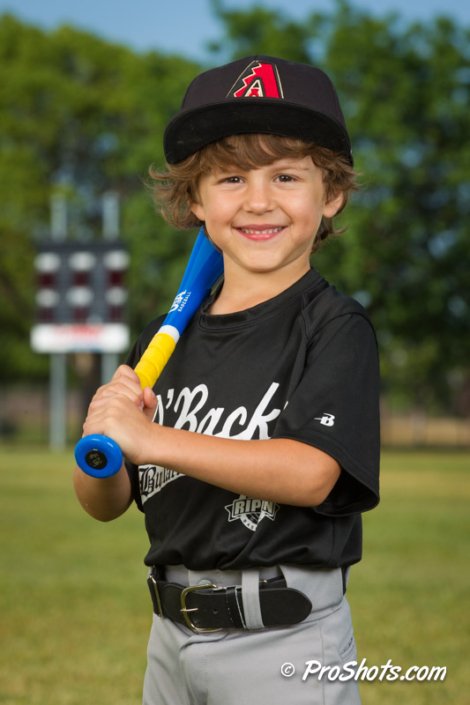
<point x="209" y="608"/>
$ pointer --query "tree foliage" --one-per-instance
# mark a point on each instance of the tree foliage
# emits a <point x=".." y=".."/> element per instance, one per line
<point x="405" y="93"/>
<point x="83" y="115"/>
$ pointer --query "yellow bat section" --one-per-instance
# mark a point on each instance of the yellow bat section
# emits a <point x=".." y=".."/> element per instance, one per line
<point x="154" y="359"/>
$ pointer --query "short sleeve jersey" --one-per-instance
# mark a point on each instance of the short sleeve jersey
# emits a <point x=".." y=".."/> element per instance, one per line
<point x="303" y="366"/>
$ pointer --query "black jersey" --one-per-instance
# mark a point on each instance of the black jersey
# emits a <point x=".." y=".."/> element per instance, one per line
<point x="302" y="366"/>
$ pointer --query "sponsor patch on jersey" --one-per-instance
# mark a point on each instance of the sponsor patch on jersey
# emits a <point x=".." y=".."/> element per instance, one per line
<point x="153" y="478"/>
<point x="258" y="80"/>
<point x="251" y="511"/>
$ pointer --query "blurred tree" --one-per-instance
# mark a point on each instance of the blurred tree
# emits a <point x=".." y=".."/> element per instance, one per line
<point x="84" y="115"/>
<point x="80" y="115"/>
<point x="405" y="93"/>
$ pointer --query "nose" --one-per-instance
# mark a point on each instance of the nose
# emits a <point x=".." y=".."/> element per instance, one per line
<point x="258" y="195"/>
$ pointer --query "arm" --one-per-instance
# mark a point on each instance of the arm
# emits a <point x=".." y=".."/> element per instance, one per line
<point x="107" y="498"/>
<point x="282" y="470"/>
<point x="104" y="499"/>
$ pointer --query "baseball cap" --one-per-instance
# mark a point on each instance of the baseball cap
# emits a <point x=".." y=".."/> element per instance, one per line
<point x="258" y="94"/>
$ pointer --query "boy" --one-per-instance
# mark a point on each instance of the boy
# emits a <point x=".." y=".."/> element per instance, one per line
<point x="265" y="449"/>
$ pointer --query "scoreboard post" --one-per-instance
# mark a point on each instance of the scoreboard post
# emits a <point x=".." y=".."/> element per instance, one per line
<point x="80" y="302"/>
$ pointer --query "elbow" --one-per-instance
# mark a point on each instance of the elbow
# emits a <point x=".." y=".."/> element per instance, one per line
<point x="107" y="513"/>
<point x="319" y="496"/>
<point x="312" y="473"/>
<point x="312" y="497"/>
<point x="103" y="499"/>
<point x="318" y="489"/>
<point x="105" y="518"/>
<point x="102" y="512"/>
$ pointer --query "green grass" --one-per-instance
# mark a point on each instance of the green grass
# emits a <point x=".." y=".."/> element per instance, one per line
<point x="74" y="608"/>
<point x="75" y="613"/>
<point x="409" y="596"/>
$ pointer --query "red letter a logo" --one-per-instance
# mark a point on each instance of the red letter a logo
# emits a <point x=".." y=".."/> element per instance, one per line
<point x="258" y="81"/>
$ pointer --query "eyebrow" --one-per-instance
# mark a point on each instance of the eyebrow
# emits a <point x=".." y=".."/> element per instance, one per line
<point x="283" y="164"/>
<point x="292" y="165"/>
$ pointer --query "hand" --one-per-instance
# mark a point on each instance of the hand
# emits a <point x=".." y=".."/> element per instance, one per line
<point x="123" y="411"/>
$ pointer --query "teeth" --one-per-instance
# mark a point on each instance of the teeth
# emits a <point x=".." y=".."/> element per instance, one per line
<point x="268" y="231"/>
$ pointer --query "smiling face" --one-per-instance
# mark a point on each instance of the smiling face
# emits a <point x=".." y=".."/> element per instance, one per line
<point x="265" y="219"/>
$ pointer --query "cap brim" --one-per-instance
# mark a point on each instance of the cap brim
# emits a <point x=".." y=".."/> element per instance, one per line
<point x="194" y="129"/>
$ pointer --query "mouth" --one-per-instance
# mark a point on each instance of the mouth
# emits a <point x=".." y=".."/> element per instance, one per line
<point x="260" y="232"/>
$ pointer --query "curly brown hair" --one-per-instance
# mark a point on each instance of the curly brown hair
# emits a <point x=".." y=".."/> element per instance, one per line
<point x="176" y="189"/>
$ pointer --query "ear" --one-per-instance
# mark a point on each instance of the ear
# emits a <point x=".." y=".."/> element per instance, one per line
<point x="198" y="210"/>
<point x="334" y="205"/>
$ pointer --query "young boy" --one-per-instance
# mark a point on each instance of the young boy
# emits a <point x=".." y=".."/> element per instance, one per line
<point x="265" y="445"/>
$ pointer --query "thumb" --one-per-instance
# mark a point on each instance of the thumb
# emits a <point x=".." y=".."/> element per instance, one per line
<point x="150" y="403"/>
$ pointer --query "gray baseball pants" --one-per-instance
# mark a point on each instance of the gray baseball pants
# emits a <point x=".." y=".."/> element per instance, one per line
<point x="293" y="665"/>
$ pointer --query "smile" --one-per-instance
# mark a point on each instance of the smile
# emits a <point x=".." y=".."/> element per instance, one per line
<point x="260" y="233"/>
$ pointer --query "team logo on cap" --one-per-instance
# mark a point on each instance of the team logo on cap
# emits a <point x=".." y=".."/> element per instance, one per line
<point x="258" y="80"/>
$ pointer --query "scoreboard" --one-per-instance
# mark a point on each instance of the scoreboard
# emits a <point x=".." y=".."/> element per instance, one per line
<point x="81" y="297"/>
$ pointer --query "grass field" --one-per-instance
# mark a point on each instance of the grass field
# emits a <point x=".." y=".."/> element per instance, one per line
<point x="75" y="612"/>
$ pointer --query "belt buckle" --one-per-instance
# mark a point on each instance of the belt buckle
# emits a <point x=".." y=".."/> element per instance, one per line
<point x="187" y="610"/>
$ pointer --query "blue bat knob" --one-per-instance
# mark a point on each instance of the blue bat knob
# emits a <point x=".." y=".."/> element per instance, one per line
<point x="98" y="456"/>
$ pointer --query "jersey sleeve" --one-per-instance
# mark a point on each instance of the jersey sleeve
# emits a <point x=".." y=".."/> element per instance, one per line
<point x="334" y="406"/>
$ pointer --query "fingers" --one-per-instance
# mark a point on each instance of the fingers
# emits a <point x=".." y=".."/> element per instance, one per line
<point x="126" y="377"/>
<point x="150" y="403"/>
<point x="111" y="401"/>
<point x="104" y="414"/>
<point x="124" y="382"/>
<point x="125" y="372"/>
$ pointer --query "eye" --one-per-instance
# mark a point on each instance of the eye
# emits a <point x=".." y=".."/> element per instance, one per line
<point x="286" y="178"/>
<point x="228" y="176"/>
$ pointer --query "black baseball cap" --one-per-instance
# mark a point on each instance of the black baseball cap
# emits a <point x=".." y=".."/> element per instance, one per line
<point x="258" y="94"/>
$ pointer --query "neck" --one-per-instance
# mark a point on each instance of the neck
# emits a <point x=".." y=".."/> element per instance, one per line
<point x="242" y="290"/>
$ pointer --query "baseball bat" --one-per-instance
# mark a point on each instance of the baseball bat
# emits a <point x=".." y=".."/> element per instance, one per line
<point x="100" y="456"/>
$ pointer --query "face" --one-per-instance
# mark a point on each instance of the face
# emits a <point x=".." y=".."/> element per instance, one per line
<point x="265" y="219"/>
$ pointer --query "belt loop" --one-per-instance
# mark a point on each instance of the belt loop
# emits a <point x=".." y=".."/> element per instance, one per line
<point x="154" y="592"/>
<point x="345" y="571"/>
<point x="250" y="598"/>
